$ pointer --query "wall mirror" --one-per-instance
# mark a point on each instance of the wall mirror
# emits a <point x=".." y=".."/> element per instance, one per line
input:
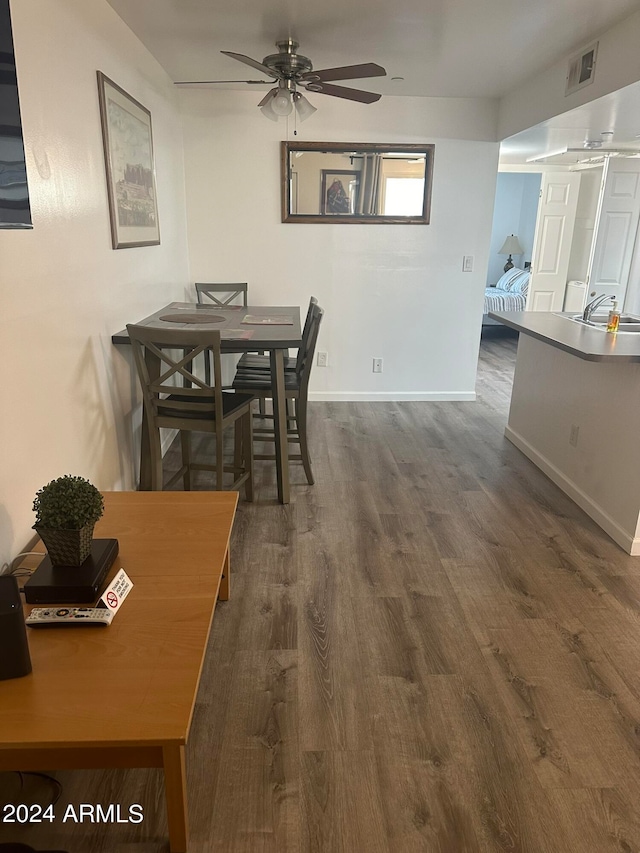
<point x="344" y="182"/>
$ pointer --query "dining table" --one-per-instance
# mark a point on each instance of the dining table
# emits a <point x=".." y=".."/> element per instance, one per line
<point x="254" y="328"/>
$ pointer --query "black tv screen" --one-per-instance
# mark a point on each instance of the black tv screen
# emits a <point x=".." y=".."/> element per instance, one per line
<point x="14" y="193"/>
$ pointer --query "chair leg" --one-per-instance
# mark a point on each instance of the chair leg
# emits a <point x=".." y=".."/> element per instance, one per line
<point x="185" y="441"/>
<point x="301" y="417"/>
<point x="237" y="443"/>
<point x="262" y="410"/>
<point x="219" y="463"/>
<point x="291" y="412"/>
<point x="247" y="446"/>
<point x="155" y="451"/>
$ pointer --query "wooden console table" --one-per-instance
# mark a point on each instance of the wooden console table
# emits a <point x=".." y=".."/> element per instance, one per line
<point x="123" y="696"/>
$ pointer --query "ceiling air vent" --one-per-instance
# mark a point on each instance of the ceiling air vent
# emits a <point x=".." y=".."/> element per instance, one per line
<point x="582" y="68"/>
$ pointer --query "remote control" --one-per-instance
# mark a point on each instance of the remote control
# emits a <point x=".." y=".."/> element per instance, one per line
<point x="63" y="617"/>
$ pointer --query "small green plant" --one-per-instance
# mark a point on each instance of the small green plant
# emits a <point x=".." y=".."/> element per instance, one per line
<point x="68" y="503"/>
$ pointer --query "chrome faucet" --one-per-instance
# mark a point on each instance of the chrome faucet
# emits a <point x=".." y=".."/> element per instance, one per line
<point x="590" y="307"/>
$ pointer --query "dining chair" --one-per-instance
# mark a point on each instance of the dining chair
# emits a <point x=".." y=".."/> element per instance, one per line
<point x="222" y="295"/>
<point x="261" y="362"/>
<point x="169" y="365"/>
<point x="258" y="382"/>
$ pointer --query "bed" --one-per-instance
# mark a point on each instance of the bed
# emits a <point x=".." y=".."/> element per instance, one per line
<point x="509" y="294"/>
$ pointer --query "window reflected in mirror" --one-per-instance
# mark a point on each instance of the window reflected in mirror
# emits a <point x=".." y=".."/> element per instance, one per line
<point x="356" y="183"/>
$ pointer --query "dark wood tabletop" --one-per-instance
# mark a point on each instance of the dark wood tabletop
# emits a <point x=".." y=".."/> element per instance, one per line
<point x="261" y="336"/>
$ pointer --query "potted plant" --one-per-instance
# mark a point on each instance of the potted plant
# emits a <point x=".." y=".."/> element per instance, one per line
<point x="66" y="512"/>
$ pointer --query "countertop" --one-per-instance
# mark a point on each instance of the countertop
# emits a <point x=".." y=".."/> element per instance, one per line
<point x="582" y="341"/>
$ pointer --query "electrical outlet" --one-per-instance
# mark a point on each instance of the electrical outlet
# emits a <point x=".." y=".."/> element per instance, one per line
<point x="467" y="263"/>
<point x="573" y="435"/>
<point x="377" y="365"/>
<point x="322" y="359"/>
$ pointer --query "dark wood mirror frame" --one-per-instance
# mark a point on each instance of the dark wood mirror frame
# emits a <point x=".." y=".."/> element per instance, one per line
<point x="287" y="149"/>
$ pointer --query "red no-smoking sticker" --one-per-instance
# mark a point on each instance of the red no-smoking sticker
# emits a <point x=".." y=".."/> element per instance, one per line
<point x="117" y="591"/>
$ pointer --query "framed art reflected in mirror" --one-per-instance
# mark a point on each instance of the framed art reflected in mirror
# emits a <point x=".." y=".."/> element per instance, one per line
<point x="360" y="183"/>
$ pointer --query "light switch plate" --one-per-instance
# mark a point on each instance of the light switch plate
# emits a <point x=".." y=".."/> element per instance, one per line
<point x="467" y="263"/>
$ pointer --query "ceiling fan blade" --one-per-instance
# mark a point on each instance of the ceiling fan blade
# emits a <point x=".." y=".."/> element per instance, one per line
<point x="252" y="62"/>
<point x="344" y="92"/>
<point x="207" y="82"/>
<point x="346" y="72"/>
<point x="270" y="94"/>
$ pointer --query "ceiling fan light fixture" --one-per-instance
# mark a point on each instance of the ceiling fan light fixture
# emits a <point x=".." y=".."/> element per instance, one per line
<point x="267" y="110"/>
<point x="303" y="108"/>
<point x="281" y="103"/>
<point x="290" y="69"/>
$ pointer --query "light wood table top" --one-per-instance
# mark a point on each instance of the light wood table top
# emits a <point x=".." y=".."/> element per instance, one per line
<point x="136" y="680"/>
<point x="123" y="696"/>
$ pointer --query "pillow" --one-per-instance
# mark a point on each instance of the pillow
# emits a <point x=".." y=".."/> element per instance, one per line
<point x="519" y="283"/>
<point x="505" y="280"/>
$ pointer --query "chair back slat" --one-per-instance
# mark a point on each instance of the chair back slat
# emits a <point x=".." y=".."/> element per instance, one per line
<point x="305" y="334"/>
<point x="221" y="294"/>
<point x="166" y="357"/>
<point x="304" y="364"/>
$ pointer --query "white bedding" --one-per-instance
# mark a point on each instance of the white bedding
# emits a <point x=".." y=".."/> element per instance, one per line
<point x="496" y="299"/>
<point x="509" y="294"/>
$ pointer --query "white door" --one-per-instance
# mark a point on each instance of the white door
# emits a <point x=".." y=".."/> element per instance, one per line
<point x="616" y="230"/>
<point x="552" y="240"/>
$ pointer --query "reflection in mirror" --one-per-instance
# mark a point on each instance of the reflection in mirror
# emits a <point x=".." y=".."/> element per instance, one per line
<point x="356" y="183"/>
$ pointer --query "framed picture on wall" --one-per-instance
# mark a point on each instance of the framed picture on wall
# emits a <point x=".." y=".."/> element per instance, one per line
<point x="128" y="154"/>
<point x="339" y="191"/>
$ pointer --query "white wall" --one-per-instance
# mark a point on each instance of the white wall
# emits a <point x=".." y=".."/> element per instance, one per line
<point x="516" y="206"/>
<point x="64" y="290"/>
<point x="617" y="65"/>
<point x="553" y="392"/>
<point x="391" y="291"/>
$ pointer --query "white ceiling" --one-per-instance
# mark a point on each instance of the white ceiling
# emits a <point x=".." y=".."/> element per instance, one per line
<point x="619" y="112"/>
<point x="442" y="48"/>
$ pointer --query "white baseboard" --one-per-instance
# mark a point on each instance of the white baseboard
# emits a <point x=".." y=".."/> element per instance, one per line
<point x="391" y="396"/>
<point x="627" y="541"/>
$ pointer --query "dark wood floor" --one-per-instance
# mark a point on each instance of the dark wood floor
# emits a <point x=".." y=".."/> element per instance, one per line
<point x="432" y="649"/>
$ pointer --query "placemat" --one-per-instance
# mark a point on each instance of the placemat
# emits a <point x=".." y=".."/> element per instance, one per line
<point x="268" y="320"/>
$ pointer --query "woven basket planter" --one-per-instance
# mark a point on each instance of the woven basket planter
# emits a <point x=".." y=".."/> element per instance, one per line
<point x="67" y="547"/>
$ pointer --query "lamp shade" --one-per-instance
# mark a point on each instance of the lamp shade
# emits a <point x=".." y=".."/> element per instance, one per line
<point x="511" y="246"/>
<point x="266" y="107"/>
<point x="281" y="103"/>
<point x="303" y="108"/>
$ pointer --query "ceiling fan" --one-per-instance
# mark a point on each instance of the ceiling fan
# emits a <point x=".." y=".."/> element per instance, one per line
<point x="292" y="71"/>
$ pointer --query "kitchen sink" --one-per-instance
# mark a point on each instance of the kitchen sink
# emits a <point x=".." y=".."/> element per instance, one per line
<point x="628" y="323"/>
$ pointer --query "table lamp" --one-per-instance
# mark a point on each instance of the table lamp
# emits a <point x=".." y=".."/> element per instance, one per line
<point x="511" y="246"/>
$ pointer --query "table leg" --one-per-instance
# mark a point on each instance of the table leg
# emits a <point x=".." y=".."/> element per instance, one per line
<point x="175" y="785"/>
<point x="225" y="580"/>
<point x="280" y="424"/>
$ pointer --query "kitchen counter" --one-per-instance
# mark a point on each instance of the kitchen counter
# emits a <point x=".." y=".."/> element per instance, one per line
<point x="575" y="413"/>
<point x="582" y="341"/>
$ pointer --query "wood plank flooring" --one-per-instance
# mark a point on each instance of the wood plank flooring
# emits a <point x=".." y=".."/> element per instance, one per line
<point x="432" y="650"/>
